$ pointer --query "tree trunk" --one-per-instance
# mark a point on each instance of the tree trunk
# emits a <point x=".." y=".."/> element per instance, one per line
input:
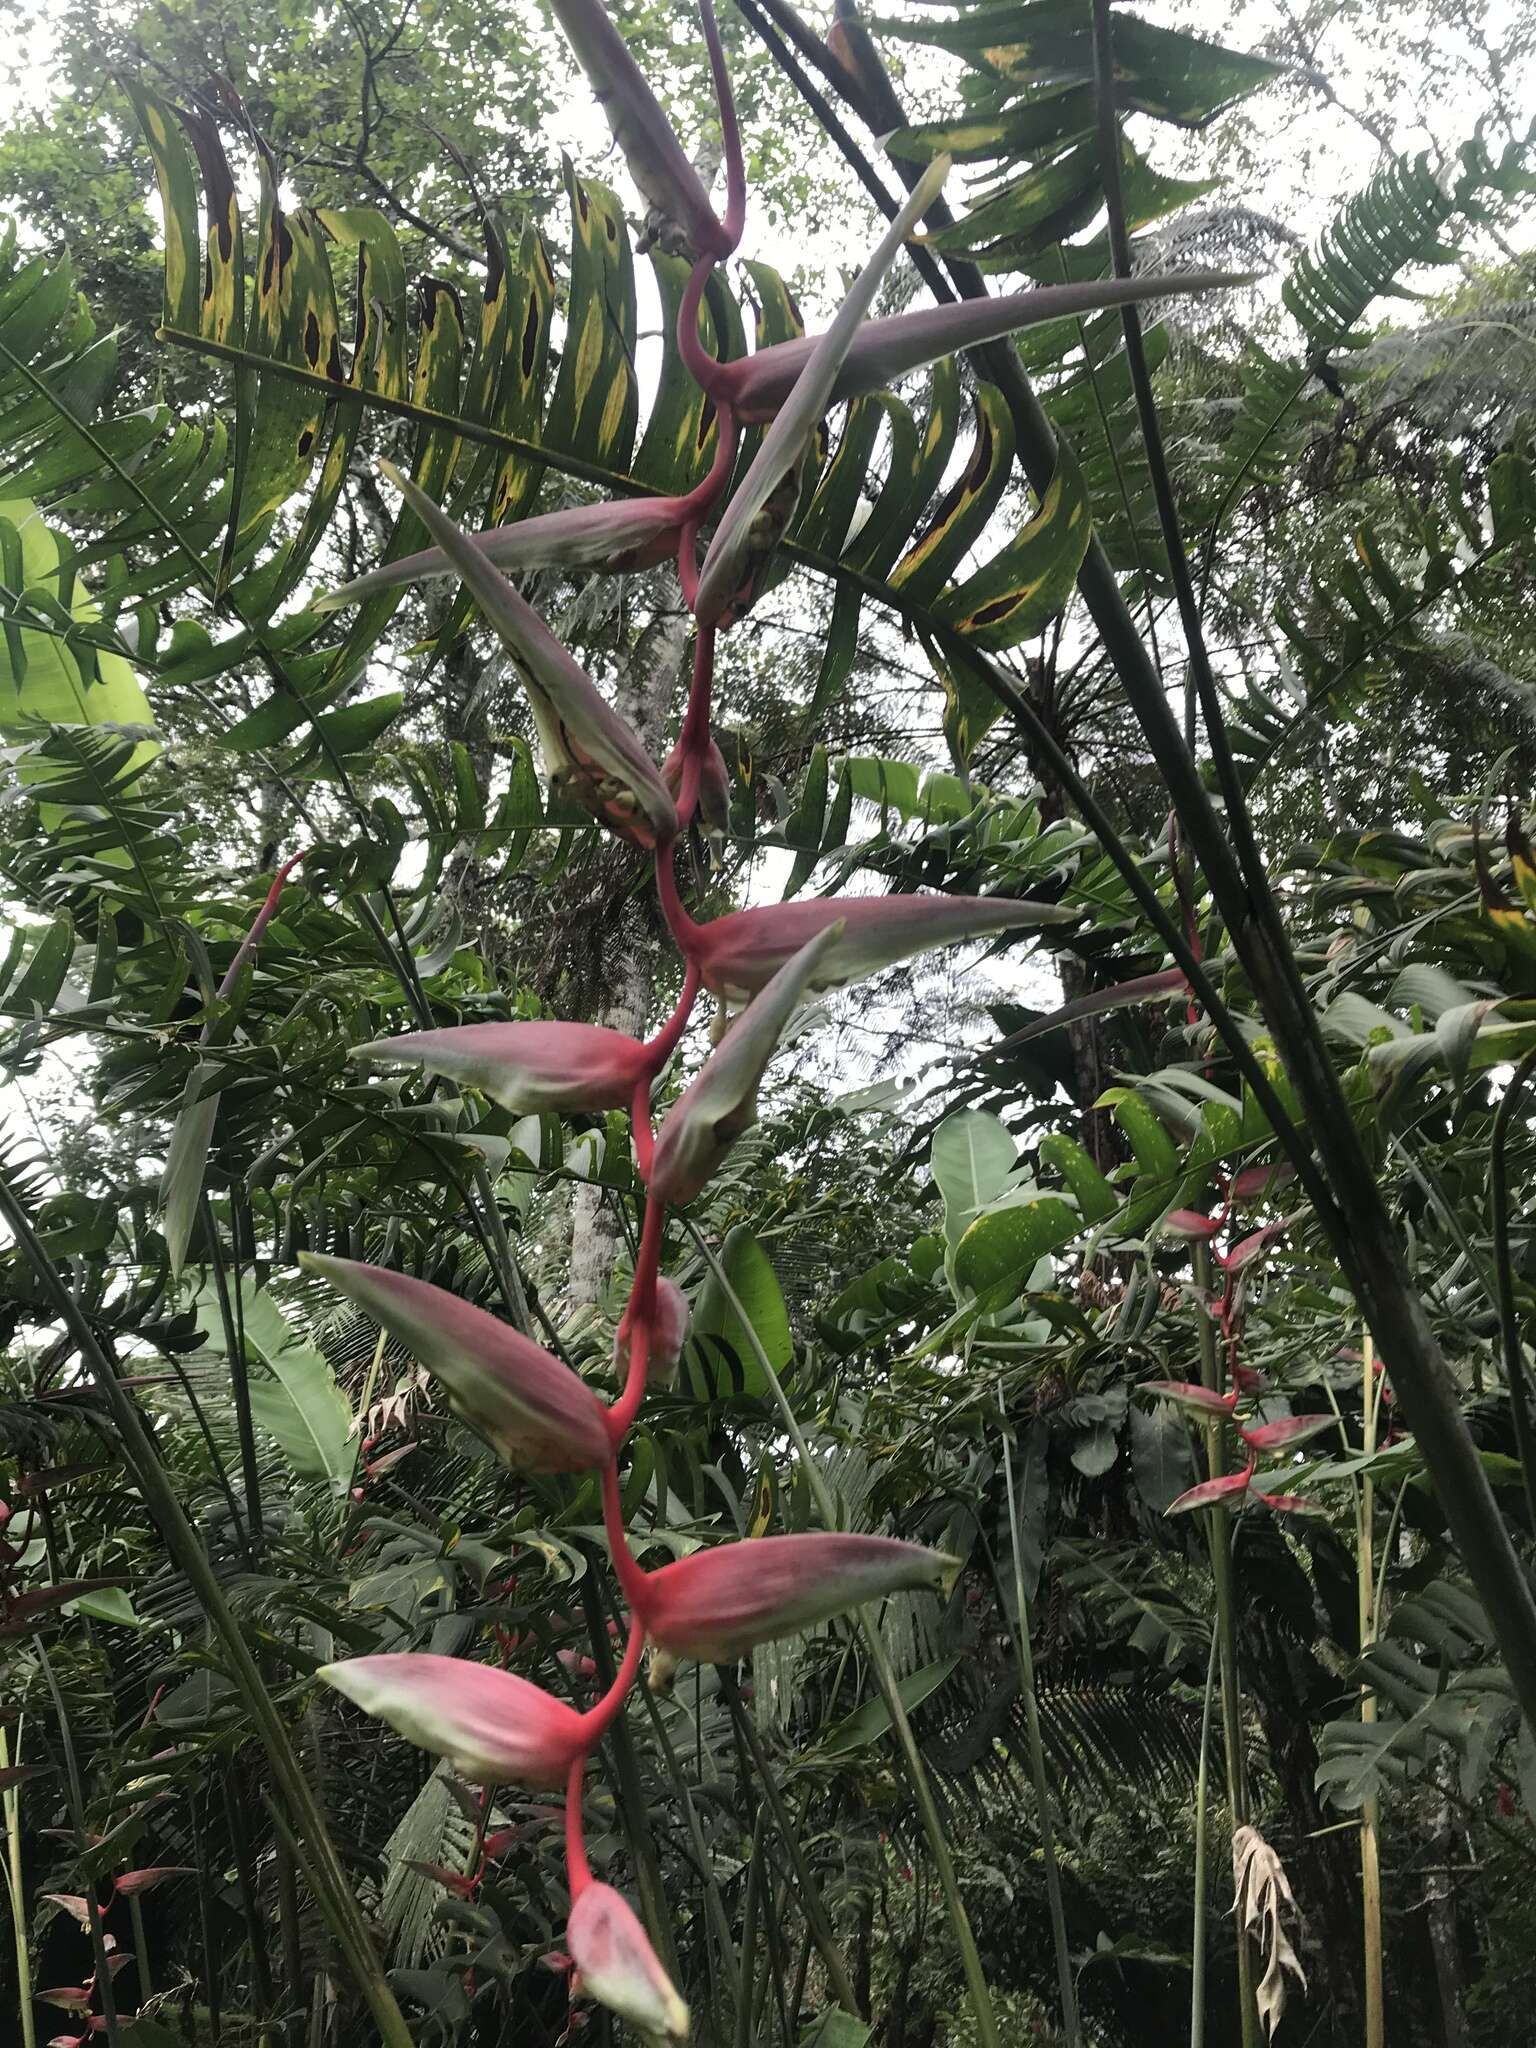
<point x="646" y="690"/>
<point x="1440" y="1911"/>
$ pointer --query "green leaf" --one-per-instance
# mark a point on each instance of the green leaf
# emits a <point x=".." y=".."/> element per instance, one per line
<point x="873" y="1719"/>
<point x="358" y="726"/>
<point x="186" y="1162"/>
<point x="111" y="1604"/>
<point x="1028" y="582"/>
<point x="300" y="1406"/>
<point x="834" y="2028"/>
<point x="996" y="1256"/>
<point x="1094" y="1196"/>
<point x="39" y="986"/>
<point x="958" y="520"/>
<point x="731" y="1362"/>
<point x="307" y="1415"/>
<point x="972" y="1157"/>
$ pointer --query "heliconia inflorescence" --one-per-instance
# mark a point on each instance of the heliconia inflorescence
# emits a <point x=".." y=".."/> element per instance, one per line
<point x="491" y="1725"/>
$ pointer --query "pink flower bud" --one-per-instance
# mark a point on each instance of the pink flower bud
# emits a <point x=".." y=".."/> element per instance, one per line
<point x="1285" y="1503"/>
<point x="1189" y="1223"/>
<point x="1190" y="1394"/>
<point x="718" y="1604"/>
<point x="618" y="1966"/>
<point x="493" y="1727"/>
<point x="757" y="385"/>
<point x="77" y="1908"/>
<point x="1210" y="1493"/>
<point x="68" y="1997"/>
<point x="1287" y="1432"/>
<point x="1255" y="1181"/>
<point x="133" y="1881"/>
<point x="456" y="1881"/>
<point x="722" y="1102"/>
<point x="615" y="535"/>
<point x="714" y="788"/>
<point x="535" y="1411"/>
<point x="526" y="1067"/>
<point x="1247" y="1249"/>
<point x="740" y="953"/>
<point x="589" y="751"/>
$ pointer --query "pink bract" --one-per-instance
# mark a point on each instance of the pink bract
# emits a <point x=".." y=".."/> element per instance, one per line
<point x="526" y="1067"/>
<point x="493" y="1727"/>
<point x="535" y="1411"/>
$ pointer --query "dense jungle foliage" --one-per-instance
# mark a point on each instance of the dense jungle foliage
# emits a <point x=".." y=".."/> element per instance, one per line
<point x="1041" y="1382"/>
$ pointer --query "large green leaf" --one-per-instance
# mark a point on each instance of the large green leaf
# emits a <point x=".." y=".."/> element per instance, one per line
<point x="723" y="1348"/>
<point x="972" y="1156"/>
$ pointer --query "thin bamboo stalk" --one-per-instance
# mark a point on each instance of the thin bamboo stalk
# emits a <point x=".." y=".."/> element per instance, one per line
<point x="1370" y="1846"/>
<point x="1202" y="1902"/>
<point x="11" y="1803"/>
<point x="1218" y="1532"/>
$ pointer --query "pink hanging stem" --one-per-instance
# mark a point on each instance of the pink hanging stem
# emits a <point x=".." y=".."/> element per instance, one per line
<point x="730" y="129"/>
<point x="640" y="1315"/>
<point x="577" y="1869"/>
<point x="631" y="1577"/>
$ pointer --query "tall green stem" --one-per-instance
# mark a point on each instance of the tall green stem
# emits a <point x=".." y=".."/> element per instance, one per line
<point x="11" y="1803"/>
<point x="1370" y="1849"/>
<point x="933" y="1827"/>
<point x="332" y="1890"/>
<point x="1024" y="1651"/>
<point x="1202" y="1883"/>
<point x="1218" y="1531"/>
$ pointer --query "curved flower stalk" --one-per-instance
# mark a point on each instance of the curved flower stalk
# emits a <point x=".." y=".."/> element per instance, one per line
<point x="657" y="161"/>
<point x="494" y="1726"/>
<point x="1211" y="1404"/>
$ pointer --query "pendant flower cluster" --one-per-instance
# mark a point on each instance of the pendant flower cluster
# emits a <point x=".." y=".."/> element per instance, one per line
<point x="492" y="1726"/>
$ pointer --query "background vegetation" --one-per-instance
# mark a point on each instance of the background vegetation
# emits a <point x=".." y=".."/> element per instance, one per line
<point x="965" y="1235"/>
